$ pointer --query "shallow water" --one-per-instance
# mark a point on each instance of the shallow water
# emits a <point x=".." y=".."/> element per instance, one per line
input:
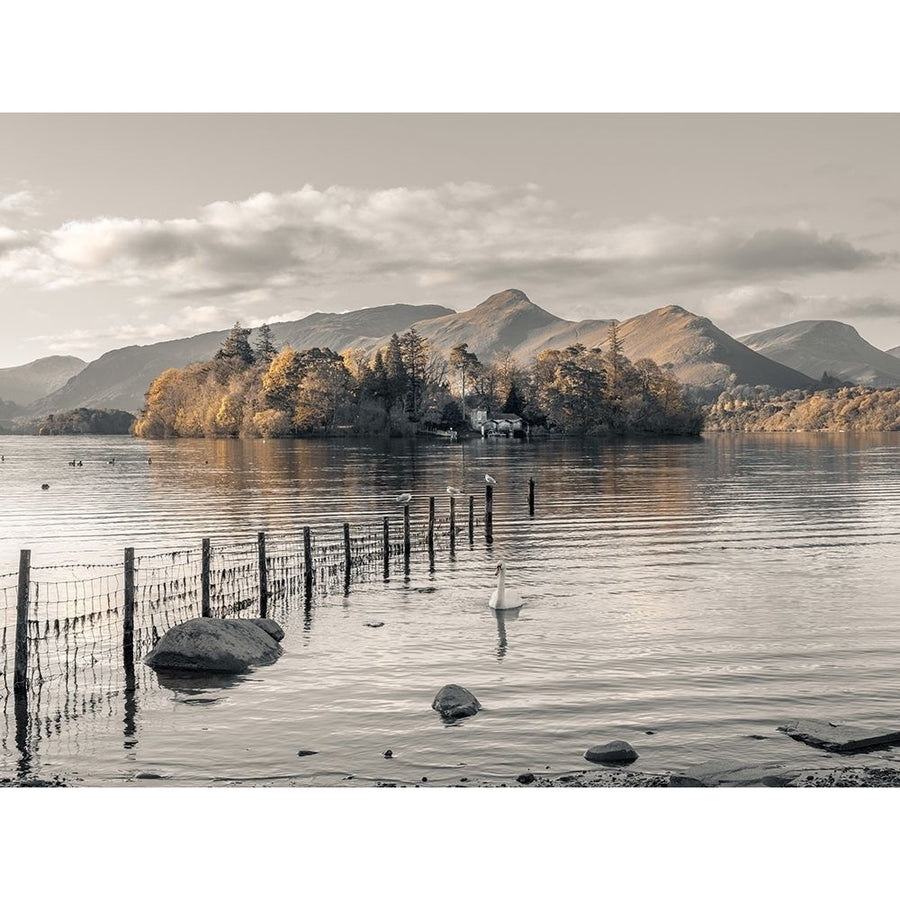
<point x="704" y="590"/>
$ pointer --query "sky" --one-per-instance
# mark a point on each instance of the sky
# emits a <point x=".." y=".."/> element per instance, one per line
<point x="121" y="229"/>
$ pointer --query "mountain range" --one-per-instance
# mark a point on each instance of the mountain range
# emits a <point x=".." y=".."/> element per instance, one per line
<point x="692" y="347"/>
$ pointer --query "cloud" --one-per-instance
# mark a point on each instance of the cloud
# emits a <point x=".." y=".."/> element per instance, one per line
<point x="449" y="237"/>
<point x="20" y="204"/>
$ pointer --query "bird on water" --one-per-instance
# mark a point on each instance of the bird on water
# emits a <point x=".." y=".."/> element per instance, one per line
<point x="45" y="486"/>
<point x="453" y="491"/>
<point x="502" y="598"/>
<point x="404" y="498"/>
<point x="490" y="480"/>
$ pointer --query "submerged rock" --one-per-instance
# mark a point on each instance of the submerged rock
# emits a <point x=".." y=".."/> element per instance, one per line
<point x="613" y="752"/>
<point x="214" y="645"/>
<point x="838" y="738"/>
<point x="455" y="702"/>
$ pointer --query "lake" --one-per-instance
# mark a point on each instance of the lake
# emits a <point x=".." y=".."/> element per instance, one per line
<point x="704" y="590"/>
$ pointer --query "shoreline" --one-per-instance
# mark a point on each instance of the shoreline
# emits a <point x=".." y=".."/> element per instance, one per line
<point x="722" y="775"/>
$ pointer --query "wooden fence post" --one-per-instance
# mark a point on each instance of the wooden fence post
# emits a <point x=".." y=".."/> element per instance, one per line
<point x="386" y="547"/>
<point x="20" y="675"/>
<point x="348" y="560"/>
<point x="489" y="513"/>
<point x="205" y="558"/>
<point x="530" y="496"/>
<point x="406" y="536"/>
<point x="263" y="575"/>
<point x="452" y="524"/>
<point x="471" y="518"/>
<point x="128" y="616"/>
<point x="431" y="526"/>
<point x="307" y="562"/>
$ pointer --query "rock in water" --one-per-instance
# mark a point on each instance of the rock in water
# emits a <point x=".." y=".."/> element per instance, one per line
<point x="613" y="752"/>
<point x="455" y="702"/>
<point x="270" y="627"/>
<point x="214" y="645"/>
<point x="838" y="738"/>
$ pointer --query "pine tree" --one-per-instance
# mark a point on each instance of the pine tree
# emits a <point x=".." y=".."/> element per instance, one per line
<point x="236" y="347"/>
<point x="265" y="346"/>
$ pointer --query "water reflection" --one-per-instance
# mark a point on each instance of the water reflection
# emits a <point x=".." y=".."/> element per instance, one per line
<point x="503" y="616"/>
<point x="191" y="684"/>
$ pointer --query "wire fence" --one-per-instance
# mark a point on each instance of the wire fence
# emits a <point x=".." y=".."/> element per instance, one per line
<point x="70" y="648"/>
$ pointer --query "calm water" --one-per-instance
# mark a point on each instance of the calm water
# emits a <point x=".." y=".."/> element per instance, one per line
<point x="705" y="590"/>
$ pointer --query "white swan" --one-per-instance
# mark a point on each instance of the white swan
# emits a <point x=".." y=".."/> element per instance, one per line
<point x="490" y="480"/>
<point x="502" y="598"/>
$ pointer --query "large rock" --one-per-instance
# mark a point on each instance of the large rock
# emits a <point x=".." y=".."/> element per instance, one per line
<point x="613" y="752"/>
<point x="838" y="738"/>
<point x="214" y="645"/>
<point x="455" y="702"/>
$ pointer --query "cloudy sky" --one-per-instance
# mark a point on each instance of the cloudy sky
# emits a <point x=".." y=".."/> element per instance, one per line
<point x="122" y="229"/>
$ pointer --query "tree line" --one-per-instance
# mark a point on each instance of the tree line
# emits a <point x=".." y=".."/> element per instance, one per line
<point x="260" y="391"/>
<point x="838" y="408"/>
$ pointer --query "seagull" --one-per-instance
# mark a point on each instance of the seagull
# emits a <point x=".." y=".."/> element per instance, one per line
<point x="490" y="480"/>
<point x="453" y="491"/>
<point x="404" y="498"/>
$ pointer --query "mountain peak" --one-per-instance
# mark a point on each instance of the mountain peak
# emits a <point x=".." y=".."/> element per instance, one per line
<point x="508" y="299"/>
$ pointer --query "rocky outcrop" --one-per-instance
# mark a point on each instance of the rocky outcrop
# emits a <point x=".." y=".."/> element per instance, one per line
<point x="214" y="645"/>
<point x="838" y="738"/>
<point x="733" y="774"/>
<point x="613" y="752"/>
<point x="455" y="702"/>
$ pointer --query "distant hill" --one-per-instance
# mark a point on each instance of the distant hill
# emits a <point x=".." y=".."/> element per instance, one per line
<point x="23" y="384"/>
<point x="816" y="346"/>
<point x="120" y="378"/>
<point x="894" y="351"/>
<point x="701" y="354"/>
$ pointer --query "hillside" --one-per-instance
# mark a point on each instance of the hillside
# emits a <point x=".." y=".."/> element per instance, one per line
<point x="120" y="378"/>
<point x="699" y="353"/>
<point x="816" y="346"/>
<point x="23" y="384"/>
